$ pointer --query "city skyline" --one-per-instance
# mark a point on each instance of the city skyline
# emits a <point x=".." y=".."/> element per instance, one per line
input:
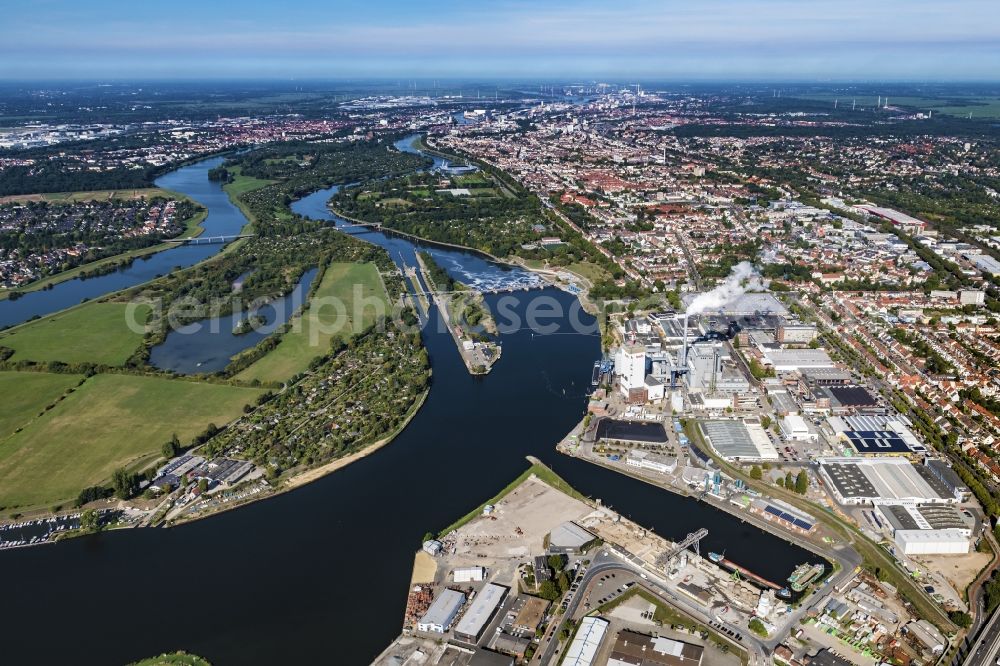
<point x="772" y="40"/>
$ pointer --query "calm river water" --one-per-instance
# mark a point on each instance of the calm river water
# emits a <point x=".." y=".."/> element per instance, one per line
<point x="320" y="575"/>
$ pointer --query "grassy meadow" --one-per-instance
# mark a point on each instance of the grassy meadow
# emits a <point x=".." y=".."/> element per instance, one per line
<point x="311" y="333"/>
<point x="108" y="422"/>
<point x="93" y="332"/>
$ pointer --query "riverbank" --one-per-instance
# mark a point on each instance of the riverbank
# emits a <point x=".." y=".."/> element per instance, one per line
<point x="567" y="448"/>
<point x="192" y="229"/>
<point x="504" y="538"/>
<point x="310" y="475"/>
<point x="550" y="276"/>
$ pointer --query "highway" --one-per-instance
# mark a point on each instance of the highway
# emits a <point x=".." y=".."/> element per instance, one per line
<point x="986" y="649"/>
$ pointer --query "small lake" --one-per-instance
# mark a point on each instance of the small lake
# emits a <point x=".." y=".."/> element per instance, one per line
<point x="209" y="345"/>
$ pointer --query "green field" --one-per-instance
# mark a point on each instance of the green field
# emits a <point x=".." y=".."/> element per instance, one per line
<point x="109" y="422"/>
<point x="94" y="332"/>
<point x="26" y="394"/>
<point x="95" y="195"/>
<point x="590" y="271"/>
<point x="312" y="332"/>
<point x="955" y="105"/>
<point x="243" y="184"/>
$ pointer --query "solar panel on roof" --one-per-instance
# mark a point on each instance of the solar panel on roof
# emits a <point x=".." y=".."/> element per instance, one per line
<point x="803" y="524"/>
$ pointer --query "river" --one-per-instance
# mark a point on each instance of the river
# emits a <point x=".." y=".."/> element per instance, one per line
<point x="320" y="575"/>
<point x="223" y="219"/>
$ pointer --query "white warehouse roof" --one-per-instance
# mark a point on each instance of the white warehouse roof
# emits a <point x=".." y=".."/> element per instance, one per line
<point x="481" y="610"/>
<point x="586" y="643"/>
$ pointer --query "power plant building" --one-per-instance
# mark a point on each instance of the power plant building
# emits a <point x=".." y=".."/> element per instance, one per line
<point x="744" y="305"/>
<point x="712" y="370"/>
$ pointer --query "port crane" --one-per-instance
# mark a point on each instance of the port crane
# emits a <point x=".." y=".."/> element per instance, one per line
<point x="690" y="541"/>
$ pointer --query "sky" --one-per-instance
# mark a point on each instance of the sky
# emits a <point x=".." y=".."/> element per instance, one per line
<point x="807" y="40"/>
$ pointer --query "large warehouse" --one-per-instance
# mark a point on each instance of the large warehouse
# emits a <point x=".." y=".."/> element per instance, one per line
<point x="569" y="539"/>
<point x="480" y="612"/>
<point x="875" y="434"/>
<point x="442" y="612"/>
<point x="589" y="636"/>
<point x="928" y="529"/>
<point x="790" y="360"/>
<point x="739" y="440"/>
<point x="882" y="481"/>
<point x="632" y="649"/>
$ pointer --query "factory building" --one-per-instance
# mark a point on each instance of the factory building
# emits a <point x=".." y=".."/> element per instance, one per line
<point x="795" y="334"/>
<point x="796" y="360"/>
<point x="482" y="609"/>
<point x="442" y="612"/>
<point x="569" y="539"/>
<point x="826" y="377"/>
<point x="652" y="461"/>
<point x="943" y="471"/>
<point x="586" y="643"/>
<point x="986" y="264"/>
<point x="972" y="297"/>
<point x="632" y="649"/>
<point x="928" y="529"/>
<point x="879" y="480"/>
<point x="846" y="398"/>
<point x="795" y="429"/>
<point x="739" y="440"/>
<point x="874" y="434"/>
<point x="784" y="513"/>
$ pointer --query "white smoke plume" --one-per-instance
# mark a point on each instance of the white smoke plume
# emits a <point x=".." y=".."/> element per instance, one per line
<point x="743" y="278"/>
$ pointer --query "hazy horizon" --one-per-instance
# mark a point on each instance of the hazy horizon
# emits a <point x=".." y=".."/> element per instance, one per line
<point x="722" y="41"/>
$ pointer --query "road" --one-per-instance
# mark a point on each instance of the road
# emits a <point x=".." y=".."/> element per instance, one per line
<point x="843" y="554"/>
<point x="987" y="647"/>
<point x="607" y="562"/>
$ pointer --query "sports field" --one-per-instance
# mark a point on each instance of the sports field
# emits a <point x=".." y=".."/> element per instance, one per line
<point x="352" y="285"/>
<point x="26" y="394"/>
<point x="94" y="332"/>
<point x="109" y="422"/>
